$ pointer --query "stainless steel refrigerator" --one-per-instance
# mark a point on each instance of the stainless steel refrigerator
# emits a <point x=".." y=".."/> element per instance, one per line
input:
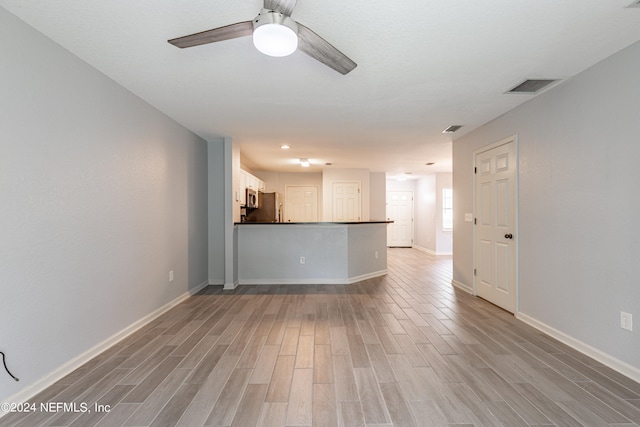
<point x="269" y="208"/>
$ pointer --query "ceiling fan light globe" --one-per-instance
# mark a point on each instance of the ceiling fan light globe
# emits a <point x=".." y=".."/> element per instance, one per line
<point x="275" y="40"/>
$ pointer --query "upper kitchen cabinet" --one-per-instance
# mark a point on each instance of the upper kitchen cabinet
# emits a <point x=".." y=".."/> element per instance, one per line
<point x="242" y="189"/>
<point x="248" y="180"/>
<point x="255" y="183"/>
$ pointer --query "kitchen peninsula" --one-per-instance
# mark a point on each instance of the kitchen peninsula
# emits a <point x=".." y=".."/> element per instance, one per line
<point x="311" y="252"/>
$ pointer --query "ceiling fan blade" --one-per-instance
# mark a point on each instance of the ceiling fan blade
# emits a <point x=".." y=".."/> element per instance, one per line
<point x="283" y="6"/>
<point x="240" y="29"/>
<point x="320" y="49"/>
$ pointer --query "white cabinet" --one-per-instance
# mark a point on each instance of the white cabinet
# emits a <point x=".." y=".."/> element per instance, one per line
<point x="249" y="181"/>
<point x="252" y="182"/>
<point x="242" y="188"/>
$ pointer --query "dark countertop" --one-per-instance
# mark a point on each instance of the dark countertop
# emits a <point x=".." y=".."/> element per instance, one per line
<point x="313" y="223"/>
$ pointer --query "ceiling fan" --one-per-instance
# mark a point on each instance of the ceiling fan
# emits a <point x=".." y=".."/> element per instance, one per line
<point x="275" y="33"/>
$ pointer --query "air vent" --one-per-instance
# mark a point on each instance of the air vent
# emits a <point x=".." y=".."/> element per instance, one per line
<point x="532" y="85"/>
<point x="452" y="129"/>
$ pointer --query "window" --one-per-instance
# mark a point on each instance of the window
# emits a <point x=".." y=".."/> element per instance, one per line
<point x="447" y="209"/>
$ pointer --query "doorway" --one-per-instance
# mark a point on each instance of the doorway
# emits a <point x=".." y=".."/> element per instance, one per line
<point x="346" y="201"/>
<point x="400" y="211"/>
<point x="301" y="203"/>
<point x="496" y="228"/>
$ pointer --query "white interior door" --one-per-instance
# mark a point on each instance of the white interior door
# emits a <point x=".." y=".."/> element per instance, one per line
<point x="346" y="201"/>
<point x="301" y="203"/>
<point x="400" y="211"/>
<point x="495" y="230"/>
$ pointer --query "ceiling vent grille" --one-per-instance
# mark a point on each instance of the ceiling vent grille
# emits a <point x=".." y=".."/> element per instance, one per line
<point x="452" y="129"/>
<point x="532" y="85"/>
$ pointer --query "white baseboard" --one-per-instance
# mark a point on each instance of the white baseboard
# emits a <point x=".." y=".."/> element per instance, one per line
<point x="314" y="281"/>
<point x="423" y="249"/>
<point x="462" y="286"/>
<point x="430" y="251"/>
<point x="230" y="286"/>
<point x="28" y="392"/>
<point x="602" y="357"/>
<point x="367" y="276"/>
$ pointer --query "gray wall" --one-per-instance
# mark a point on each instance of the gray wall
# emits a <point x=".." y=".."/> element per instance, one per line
<point x="338" y="253"/>
<point x="101" y="195"/>
<point x="578" y="237"/>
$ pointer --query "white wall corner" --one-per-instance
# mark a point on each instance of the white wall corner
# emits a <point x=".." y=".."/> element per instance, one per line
<point x="197" y="288"/>
<point x="462" y="286"/>
<point x="423" y="249"/>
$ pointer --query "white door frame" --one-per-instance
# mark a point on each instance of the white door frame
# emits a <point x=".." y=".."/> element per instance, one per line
<point x="333" y="198"/>
<point x="412" y="226"/>
<point x="514" y="139"/>
<point x="286" y="200"/>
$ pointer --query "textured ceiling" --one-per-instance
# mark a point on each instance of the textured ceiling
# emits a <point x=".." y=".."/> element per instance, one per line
<point x="422" y="66"/>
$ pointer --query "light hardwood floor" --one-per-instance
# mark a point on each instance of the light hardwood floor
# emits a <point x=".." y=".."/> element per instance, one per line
<point x="406" y="349"/>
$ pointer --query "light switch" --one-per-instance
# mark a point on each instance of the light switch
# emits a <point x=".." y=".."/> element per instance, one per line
<point x="468" y="217"/>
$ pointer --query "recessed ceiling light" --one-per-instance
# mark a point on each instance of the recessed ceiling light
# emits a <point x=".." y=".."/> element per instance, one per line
<point x="304" y="163"/>
<point x="285" y="146"/>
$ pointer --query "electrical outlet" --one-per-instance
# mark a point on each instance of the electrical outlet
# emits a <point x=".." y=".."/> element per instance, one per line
<point x="302" y="260"/>
<point x="376" y="254"/>
<point x="626" y="321"/>
<point x="171" y="276"/>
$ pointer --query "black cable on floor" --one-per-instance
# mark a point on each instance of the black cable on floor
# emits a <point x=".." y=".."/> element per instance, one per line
<point x="7" y="369"/>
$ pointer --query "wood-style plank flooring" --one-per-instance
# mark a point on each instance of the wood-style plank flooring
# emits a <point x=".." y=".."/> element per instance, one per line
<point x="406" y="349"/>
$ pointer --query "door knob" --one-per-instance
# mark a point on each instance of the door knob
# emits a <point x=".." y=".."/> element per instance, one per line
<point x="508" y="236"/>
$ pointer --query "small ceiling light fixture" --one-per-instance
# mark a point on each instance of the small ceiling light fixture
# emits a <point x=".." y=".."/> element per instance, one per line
<point x="274" y="33"/>
<point x="304" y="163"/>
<point x="430" y="164"/>
<point x="285" y="146"/>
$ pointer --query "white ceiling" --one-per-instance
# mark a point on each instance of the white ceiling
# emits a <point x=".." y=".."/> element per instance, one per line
<point x="422" y="66"/>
